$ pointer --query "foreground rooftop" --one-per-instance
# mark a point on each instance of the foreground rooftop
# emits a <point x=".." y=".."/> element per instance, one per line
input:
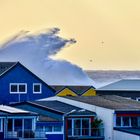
<point x="109" y="101"/>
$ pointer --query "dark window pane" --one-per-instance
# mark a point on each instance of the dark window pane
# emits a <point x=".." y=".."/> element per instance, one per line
<point x="77" y="127"/>
<point x="28" y="124"/>
<point x="85" y="123"/>
<point x="37" y="88"/>
<point x="10" y="123"/>
<point x="18" y="124"/>
<point x="126" y="121"/>
<point x="85" y="127"/>
<point x="69" y="122"/>
<point x="21" y="88"/>
<point x="13" y="88"/>
<point x="134" y="121"/>
<point x="118" y="121"/>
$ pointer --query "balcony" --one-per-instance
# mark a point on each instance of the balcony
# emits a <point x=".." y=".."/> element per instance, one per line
<point x="26" y="134"/>
<point x="84" y="128"/>
<point x="86" y="133"/>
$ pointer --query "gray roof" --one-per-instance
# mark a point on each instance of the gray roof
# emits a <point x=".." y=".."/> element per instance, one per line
<point x="47" y="119"/>
<point x="5" y="66"/>
<point x="4" y="109"/>
<point x="109" y="101"/>
<point x="77" y="89"/>
<point x="126" y="84"/>
<point x="63" y="107"/>
<point x="10" y="109"/>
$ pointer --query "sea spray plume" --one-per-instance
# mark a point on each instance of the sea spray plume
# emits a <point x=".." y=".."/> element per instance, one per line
<point x="14" y="37"/>
<point x="35" y="51"/>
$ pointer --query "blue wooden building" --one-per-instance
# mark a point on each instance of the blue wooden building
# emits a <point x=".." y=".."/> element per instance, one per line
<point x="61" y="121"/>
<point x="17" y="84"/>
<point x="17" y="124"/>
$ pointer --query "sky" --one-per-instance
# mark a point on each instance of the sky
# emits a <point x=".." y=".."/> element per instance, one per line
<point x="107" y="31"/>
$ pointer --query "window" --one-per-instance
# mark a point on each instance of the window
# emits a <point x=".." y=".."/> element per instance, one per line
<point x="28" y="124"/>
<point x="18" y="88"/>
<point x="18" y="124"/>
<point x="37" y="88"/>
<point x="118" y="121"/>
<point x="70" y="127"/>
<point x="10" y="124"/>
<point x="22" y="88"/>
<point x="126" y="121"/>
<point x="14" y="88"/>
<point x="57" y="129"/>
<point x="79" y="126"/>
<point x="134" y="121"/>
<point x="85" y="126"/>
<point x="48" y="129"/>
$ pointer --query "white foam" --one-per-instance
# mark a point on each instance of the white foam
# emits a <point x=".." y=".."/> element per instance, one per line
<point x="35" y="51"/>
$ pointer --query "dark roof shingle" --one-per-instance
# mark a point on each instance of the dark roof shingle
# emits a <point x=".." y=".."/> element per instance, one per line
<point x="47" y="119"/>
<point x="109" y="101"/>
<point x="63" y="107"/>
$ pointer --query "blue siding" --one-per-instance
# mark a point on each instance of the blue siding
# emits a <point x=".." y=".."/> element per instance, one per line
<point x="49" y="123"/>
<point x="19" y="74"/>
<point x="54" y="136"/>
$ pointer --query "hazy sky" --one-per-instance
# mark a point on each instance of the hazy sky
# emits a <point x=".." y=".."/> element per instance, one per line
<point x="107" y="31"/>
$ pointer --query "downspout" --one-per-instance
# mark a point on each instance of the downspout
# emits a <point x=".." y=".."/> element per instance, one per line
<point x="64" y="126"/>
<point x="113" y="123"/>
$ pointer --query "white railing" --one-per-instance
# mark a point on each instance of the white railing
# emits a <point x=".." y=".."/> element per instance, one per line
<point x="97" y="132"/>
<point x="25" y="134"/>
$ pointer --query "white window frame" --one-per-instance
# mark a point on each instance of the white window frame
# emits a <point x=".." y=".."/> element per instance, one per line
<point x="122" y="123"/>
<point x="40" y="88"/>
<point x="23" y="119"/>
<point x="81" y="126"/>
<point x="53" y="132"/>
<point x="18" y="84"/>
